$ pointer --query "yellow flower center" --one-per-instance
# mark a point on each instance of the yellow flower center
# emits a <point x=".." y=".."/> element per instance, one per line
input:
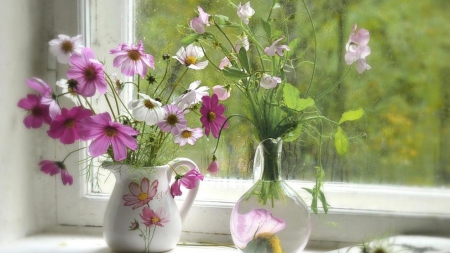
<point x="172" y="119"/>
<point x="110" y="131"/>
<point x="211" y="116"/>
<point x="271" y="242"/>
<point x="142" y="196"/>
<point x="69" y="123"/>
<point x="66" y="46"/>
<point x="190" y="60"/>
<point x="134" y="55"/>
<point x="89" y="73"/>
<point x="149" y="104"/>
<point x="155" y="219"/>
<point x="186" y="134"/>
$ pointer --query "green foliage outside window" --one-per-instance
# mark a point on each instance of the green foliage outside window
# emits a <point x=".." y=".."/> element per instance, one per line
<point x="403" y="137"/>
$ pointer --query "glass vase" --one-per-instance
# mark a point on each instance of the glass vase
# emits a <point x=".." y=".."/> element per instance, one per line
<point x="270" y="217"/>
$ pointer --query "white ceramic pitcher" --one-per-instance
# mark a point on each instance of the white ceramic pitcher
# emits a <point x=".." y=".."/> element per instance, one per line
<point x="142" y="215"/>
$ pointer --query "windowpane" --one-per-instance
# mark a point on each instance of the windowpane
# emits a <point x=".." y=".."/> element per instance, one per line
<point x="403" y="137"/>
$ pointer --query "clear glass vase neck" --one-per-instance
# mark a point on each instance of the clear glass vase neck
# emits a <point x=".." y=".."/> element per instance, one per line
<point x="267" y="164"/>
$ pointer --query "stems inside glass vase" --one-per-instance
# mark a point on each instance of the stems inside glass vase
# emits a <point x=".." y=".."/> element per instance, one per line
<point x="270" y="155"/>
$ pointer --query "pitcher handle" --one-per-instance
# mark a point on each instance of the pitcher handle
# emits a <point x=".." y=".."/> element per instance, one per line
<point x="190" y="197"/>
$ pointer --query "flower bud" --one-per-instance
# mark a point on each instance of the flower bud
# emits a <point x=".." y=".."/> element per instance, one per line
<point x="214" y="166"/>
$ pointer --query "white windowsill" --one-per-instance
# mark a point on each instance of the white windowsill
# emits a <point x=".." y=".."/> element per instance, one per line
<point x="72" y="239"/>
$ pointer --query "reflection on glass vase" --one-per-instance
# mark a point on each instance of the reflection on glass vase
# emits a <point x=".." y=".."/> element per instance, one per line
<point x="270" y="217"/>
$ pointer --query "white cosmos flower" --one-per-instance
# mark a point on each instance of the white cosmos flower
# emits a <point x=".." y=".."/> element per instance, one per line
<point x="65" y="46"/>
<point x="190" y="57"/>
<point x="147" y="109"/>
<point x="193" y="95"/>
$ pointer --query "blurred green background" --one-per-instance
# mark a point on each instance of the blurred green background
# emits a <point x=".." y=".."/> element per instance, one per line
<point x="403" y="137"/>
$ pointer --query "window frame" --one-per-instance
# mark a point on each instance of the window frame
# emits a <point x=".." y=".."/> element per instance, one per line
<point x="422" y="210"/>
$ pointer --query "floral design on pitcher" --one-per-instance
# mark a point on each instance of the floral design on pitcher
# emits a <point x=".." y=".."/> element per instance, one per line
<point x="140" y="197"/>
<point x="140" y="194"/>
<point x="152" y="218"/>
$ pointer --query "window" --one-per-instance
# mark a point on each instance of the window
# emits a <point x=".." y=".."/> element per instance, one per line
<point x="401" y="141"/>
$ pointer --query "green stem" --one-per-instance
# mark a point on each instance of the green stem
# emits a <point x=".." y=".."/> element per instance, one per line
<point x="334" y="85"/>
<point x="221" y="127"/>
<point x="174" y="86"/>
<point x="72" y="153"/>
<point x="164" y="77"/>
<point x="110" y="107"/>
<point x="315" y="49"/>
<point x="89" y="104"/>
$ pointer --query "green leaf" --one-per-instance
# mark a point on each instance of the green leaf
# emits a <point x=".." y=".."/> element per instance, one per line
<point x="340" y="142"/>
<point x="351" y="115"/>
<point x="324" y="201"/>
<point x="224" y="21"/>
<point x="294" y="134"/>
<point x="243" y="59"/>
<point x="292" y="99"/>
<point x="292" y="45"/>
<point x="266" y="27"/>
<point x="308" y="190"/>
<point x="190" y="39"/>
<point x="221" y="20"/>
<point x="234" y="73"/>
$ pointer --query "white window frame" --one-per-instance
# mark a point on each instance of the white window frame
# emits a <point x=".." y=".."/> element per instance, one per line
<point x="357" y="212"/>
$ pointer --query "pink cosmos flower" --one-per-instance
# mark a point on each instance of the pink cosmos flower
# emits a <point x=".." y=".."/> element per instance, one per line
<point x="245" y="12"/>
<point x="53" y="168"/>
<point x="188" y="135"/>
<point x="214" y="165"/>
<point x="66" y="125"/>
<point x="212" y="115"/>
<point x="140" y="195"/>
<point x="269" y="82"/>
<point x="276" y="49"/>
<point x="242" y="42"/>
<point x="357" y="49"/>
<point x="104" y="133"/>
<point x="190" y="57"/>
<point x="37" y="112"/>
<point x="47" y="96"/>
<point x="198" y="24"/>
<point x="193" y="95"/>
<point x="225" y="63"/>
<point x="188" y="180"/>
<point x="65" y="46"/>
<point x="173" y="121"/>
<point x="152" y="218"/>
<point x="245" y="227"/>
<point x="222" y="92"/>
<point x="88" y="72"/>
<point x="133" y="59"/>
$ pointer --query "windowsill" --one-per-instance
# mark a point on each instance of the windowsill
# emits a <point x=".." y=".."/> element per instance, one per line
<point x="65" y="239"/>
